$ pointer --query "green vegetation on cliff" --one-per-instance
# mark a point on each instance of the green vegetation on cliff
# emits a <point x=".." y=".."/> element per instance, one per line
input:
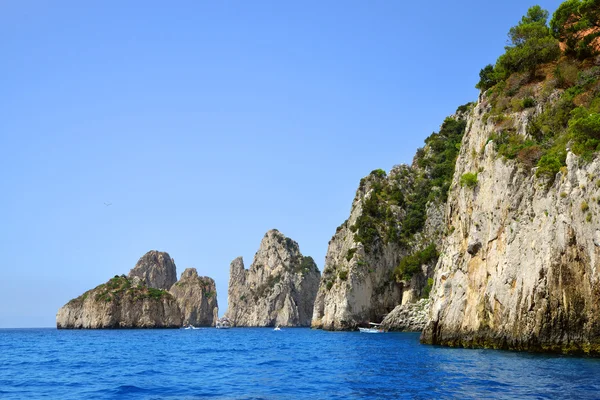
<point x="534" y="70"/>
<point x="409" y="189"/>
<point x="411" y="265"/>
<point x="118" y="287"/>
<point x="576" y="23"/>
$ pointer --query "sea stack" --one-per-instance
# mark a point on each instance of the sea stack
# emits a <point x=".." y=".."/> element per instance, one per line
<point x="197" y="298"/>
<point x="278" y="289"/>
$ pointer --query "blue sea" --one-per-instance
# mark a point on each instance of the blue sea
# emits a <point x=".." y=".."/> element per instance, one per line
<point x="246" y="363"/>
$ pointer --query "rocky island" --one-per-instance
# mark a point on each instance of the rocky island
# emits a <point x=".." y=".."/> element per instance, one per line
<point x="143" y="299"/>
<point x="279" y="288"/>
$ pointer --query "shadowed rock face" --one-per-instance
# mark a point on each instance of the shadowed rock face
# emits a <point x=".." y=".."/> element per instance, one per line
<point x="155" y="269"/>
<point x="519" y="270"/>
<point x="278" y="289"/>
<point x="119" y="304"/>
<point x="197" y="298"/>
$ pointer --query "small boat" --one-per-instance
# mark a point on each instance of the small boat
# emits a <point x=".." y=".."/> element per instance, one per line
<point x="223" y="323"/>
<point x="190" y="327"/>
<point x="277" y="328"/>
<point x="374" y="328"/>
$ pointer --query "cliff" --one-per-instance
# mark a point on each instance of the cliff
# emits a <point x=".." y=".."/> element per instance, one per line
<point x="197" y="298"/>
<point x="519" y="268"/>
<point x="279" y="288"/>
<point x="120" y="304"/>
<point x="384" y="254"/>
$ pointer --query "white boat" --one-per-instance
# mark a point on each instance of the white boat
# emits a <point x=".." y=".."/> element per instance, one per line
<point x="190" y="327"/>
<point x="223" y="323"/>
<point x="277" y="328"/>
<point x="374" y="328"/>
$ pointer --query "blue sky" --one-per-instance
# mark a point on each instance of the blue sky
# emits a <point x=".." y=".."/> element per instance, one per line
<point x="207" y="123"/>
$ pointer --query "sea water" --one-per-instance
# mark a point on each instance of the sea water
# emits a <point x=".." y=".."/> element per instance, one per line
<point x="261" y="363"/>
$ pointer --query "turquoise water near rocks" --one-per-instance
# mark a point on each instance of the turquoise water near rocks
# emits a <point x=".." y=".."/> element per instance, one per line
<point x="264" y="364"/>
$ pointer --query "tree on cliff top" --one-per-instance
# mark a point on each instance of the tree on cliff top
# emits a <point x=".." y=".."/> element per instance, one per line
<point x="530" y="44"/>
<point x="576" y="23"/>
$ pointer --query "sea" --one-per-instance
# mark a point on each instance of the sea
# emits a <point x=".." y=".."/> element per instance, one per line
<point x="260" y="363"/>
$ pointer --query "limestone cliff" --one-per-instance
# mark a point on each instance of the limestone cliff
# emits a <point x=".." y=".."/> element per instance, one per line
<point x="197" y="298"/>
<point x="384" y="254"/>
<point x="156" y="269"/>
<point x="520" y="266"/>
<point x="279" y="288"/>
<point x="120" y="304"/>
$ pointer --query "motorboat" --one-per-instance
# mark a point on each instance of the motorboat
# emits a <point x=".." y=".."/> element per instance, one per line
<point x="190" y="327"/>
<point x="223" y="323"/>
<point x="374" y="328"/>
<point x="277" y="328"/>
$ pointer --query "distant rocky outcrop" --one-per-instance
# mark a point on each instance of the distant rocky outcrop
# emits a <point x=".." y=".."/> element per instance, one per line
<point x="278" y="289"/>
<point x="156" y="269"/>
<point x="197" y="298"/>
<point x="141" y="301"/>
<point x="119" y="304"/>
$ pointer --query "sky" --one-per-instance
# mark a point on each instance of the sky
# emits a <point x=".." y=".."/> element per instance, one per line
<point x="206" y="123"/>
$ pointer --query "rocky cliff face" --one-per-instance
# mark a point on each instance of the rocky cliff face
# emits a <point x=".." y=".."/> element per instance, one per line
<point x="197" y="298"/>
<point x="520" y="266"/>
<point x="384" y="254"/>
<point x="119" y="304"/>
<point x="278" y="289"/>
<point x="155" y="269"/>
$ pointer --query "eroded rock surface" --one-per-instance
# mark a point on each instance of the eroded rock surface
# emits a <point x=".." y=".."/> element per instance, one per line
<point x="409" y="317"/>
<point x="119" y="304"/>
<point x="197" y="298"/>
<point x="533" y="281"/>
<point x="156" y="269"/>
<point x="279" y="288"/>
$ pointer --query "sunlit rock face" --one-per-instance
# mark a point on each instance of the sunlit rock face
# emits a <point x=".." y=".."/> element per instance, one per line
<point x="279" y="288"/>
<point x="519" y="268"/>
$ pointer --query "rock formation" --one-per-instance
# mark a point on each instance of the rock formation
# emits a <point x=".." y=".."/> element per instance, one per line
<point x="519" y="268"/>
<point x="141" y="301"/>
<point x="156" y="269"/>
<point x="409" y="317"/>
<point x="197" y="298"/>
<point x="119" y="304"/>
<point x="384" y="254"/>
<point x="278" y="289"/>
